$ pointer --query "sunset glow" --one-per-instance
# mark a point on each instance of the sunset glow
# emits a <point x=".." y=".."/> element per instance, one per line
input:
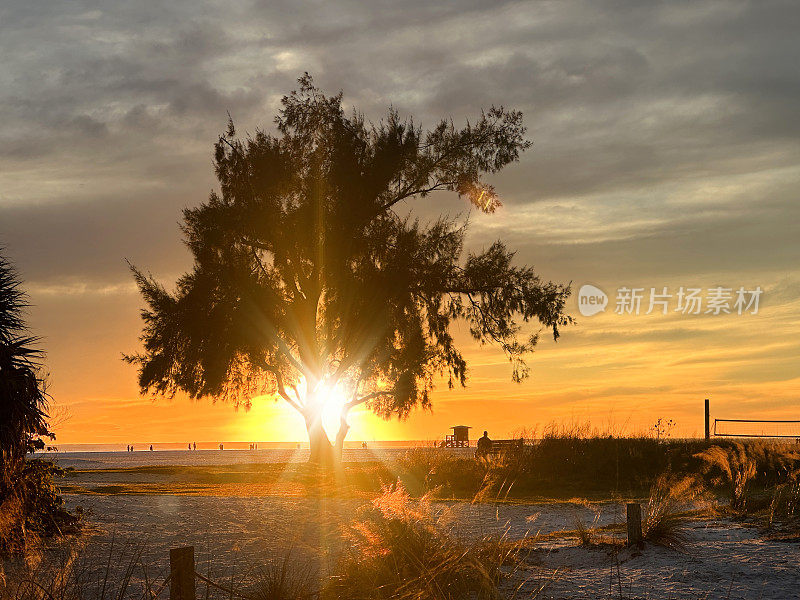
<point x="638" y="177"/>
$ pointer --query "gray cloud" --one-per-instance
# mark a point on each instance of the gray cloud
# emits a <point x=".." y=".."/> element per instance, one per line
<point x="639" y="115"/>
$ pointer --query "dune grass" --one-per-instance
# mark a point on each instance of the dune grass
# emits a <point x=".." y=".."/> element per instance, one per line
<point x="665" y="514"/>
<point x="749" y="473"/>
<point x="561" y="463"/>
<point x="397" y="551"/>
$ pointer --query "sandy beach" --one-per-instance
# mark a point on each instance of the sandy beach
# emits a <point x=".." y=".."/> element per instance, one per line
<point x="235" y="526"/>
<point x="723" y="559"/>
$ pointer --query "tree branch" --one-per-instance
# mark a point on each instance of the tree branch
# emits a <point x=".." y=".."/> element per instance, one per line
<point x="409" y="193"/>
<point x="281" y="386"/>
<point x="357" y="401"/>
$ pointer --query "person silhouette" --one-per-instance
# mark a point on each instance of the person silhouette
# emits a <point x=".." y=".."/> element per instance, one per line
<point x="194" y="445"/>
<point x="484" y="445"/>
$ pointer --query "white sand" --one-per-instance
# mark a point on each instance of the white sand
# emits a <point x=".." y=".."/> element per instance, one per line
<point x="234" y="532"/>
<point x="723" y="560"/>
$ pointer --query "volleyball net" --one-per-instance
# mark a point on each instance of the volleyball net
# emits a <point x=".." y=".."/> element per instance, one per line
<point x="756" y="428"/>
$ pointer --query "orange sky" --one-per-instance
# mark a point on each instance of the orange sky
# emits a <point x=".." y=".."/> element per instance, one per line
<point x="617" y="372"/>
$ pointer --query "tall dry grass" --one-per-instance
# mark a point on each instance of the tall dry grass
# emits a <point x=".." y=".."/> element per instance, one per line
<point x="430" y="469"/>
<point x="665" y="515"/>
<point x="751" y="472"/>
<point x="79" y="570"/>
<point x="785" y="503"/>
<point x="586" y="534"/>
<point x="70" y="573"/>
<point x="284" y="578"/>
<point x="561" y="461"/>
<point x="577" y="460"/>
<point x="398" y="551"/>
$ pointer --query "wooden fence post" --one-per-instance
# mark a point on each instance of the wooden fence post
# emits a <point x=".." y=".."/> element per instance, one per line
<point x="181" y="572"/>
<point x="708" y="423"/>
<point x="634" y="514"/>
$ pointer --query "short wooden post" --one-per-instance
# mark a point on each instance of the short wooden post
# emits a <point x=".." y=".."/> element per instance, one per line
<point x="181" y="573"/>
<point x="708" y="423"/>
<point x="634" y="514"/>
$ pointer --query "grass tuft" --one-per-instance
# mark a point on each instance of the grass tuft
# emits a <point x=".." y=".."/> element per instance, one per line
<point x="665" y="517"/>
<point x="397" y="551"/>
<point x="284" y="579"/>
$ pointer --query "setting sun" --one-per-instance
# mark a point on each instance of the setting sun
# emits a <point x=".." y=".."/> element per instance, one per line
<point x="334" y="399"/>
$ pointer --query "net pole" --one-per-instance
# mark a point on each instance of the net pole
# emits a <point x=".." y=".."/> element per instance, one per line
<point x="708" y="423"/>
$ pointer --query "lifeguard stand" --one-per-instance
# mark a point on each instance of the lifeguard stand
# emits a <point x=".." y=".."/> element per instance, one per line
<point x="459" y="438"/>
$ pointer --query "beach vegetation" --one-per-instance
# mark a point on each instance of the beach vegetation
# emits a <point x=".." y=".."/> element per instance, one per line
<point x="30" y="505"/>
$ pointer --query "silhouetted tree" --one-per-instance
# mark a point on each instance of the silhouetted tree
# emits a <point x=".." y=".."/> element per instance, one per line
<point x="306" y="279"/>
<point x="22" y="393"/>
<point x="29" y="501"/>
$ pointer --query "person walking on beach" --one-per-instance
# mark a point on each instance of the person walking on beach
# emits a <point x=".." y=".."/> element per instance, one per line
<point x="151" y="447"/>
<point x="484" y="445"/>
<point x="194" y="446"/>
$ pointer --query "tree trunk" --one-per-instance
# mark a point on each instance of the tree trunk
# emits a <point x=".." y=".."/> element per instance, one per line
<point x="338" y="444"/>
<point x="321" y="447"/>
<point x="323" y="452"/>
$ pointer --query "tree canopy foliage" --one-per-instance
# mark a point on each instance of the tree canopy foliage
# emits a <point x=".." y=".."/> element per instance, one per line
<point x="308" y="276"/>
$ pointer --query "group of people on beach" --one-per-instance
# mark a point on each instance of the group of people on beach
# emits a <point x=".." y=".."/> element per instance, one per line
<point x="192" y="446"/>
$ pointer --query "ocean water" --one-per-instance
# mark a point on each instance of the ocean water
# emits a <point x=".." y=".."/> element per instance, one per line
<point x="141" y="458"/>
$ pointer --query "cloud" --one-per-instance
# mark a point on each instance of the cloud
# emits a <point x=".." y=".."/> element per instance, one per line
<point x="621" y="99"/>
